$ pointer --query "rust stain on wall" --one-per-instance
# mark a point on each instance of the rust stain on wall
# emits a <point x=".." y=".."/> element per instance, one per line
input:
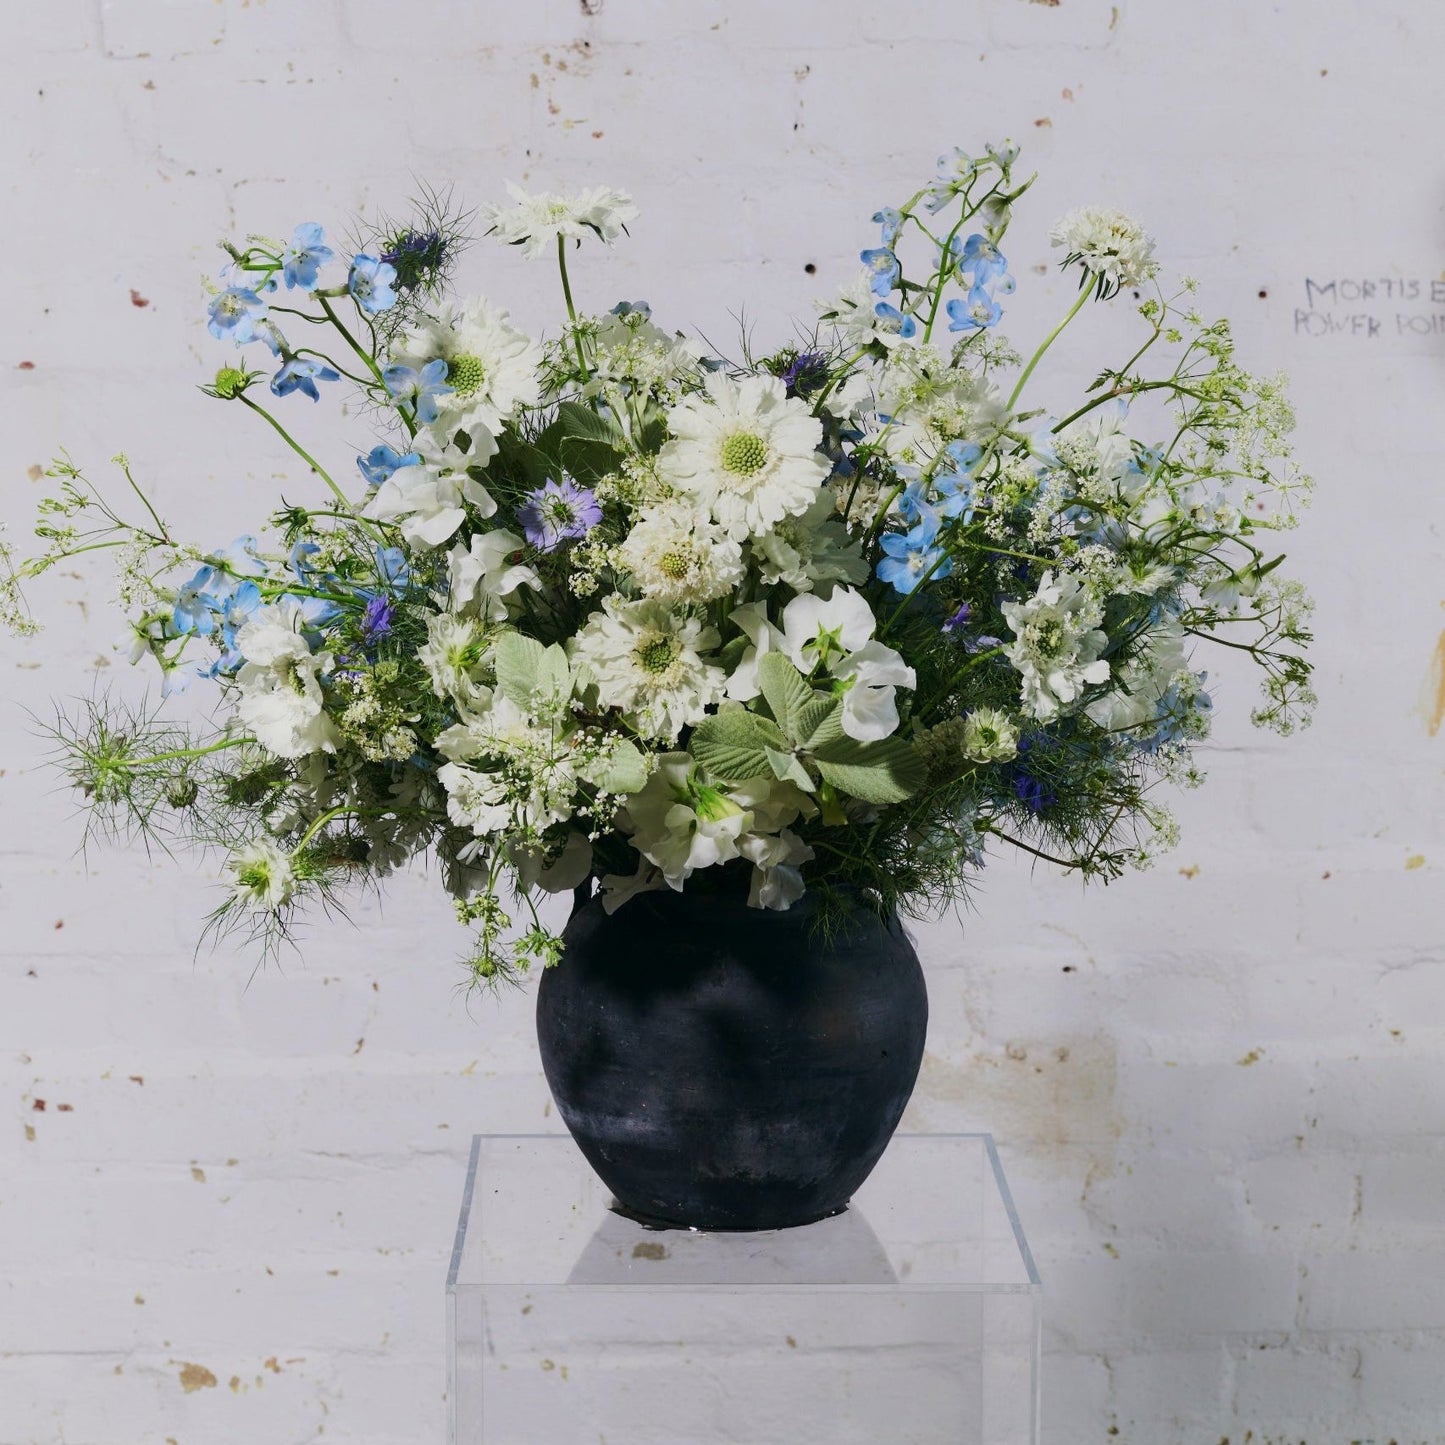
<point x="1432" y="695"/>
<point x="196" y="1377"/>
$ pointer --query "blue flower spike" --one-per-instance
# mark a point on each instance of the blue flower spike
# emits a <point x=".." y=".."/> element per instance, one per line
<point x="301" y="374"/>
<point x="883" y="265"/>
<point x="977" y="313"/>
<point x="302" y="260"/>
<point x="372" y="284"/>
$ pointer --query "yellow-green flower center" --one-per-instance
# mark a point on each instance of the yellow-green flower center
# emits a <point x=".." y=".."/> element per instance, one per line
<point x="465" y="374"/>
<point x="674" y="565"/>
<point x="657" y="654"/>
<point x="743" y="454"/>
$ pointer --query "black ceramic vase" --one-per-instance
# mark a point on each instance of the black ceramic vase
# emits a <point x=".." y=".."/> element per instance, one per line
<point x="726" y="1067"/>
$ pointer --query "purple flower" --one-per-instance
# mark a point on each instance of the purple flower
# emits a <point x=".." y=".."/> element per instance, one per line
<point x="376" y="619"/>
<point x="558" y="512"/>
<point x="805" y="374"/>
<point x="957" y="619"/>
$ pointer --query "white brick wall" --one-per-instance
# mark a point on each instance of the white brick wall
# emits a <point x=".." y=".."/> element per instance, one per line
<point x="1219" y="1093"/>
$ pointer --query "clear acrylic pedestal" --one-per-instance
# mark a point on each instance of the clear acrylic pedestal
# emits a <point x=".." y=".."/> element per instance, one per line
<point x="912" y="1318"/>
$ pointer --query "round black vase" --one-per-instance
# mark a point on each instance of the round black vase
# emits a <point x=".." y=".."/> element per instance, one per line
<point x="726" y="1067"/>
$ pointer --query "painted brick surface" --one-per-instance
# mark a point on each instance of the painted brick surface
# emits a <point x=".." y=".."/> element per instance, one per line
<point x="226" y="1201"/>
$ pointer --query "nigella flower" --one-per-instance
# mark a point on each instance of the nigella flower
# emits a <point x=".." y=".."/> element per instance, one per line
<point x="978" y="313"/>
<point x="891" y="221"/>
<point x="806" y="373"/>
<point x="381" y="461"/>
<point x="302" y="260"/>
<point x="883" y="267"/>
<point x="417" y="257"/>
<point x="955" y="620"/>
<point x="892" y="320"/>
<point x="557" y="512"/>
<point x="376" y="618"/>
<point x="372" y="283"/>
<point x="421" y="387"/>
<point x="301" y="374"/>
<point x="913" y="555"/>
<point x="235" y="313"/>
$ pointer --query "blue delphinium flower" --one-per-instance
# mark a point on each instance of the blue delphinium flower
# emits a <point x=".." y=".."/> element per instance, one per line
<point x="235" y="313"/>
<point x="373" y="284"/>
<point x="392" y="569"/>
<point x="301" y="374"/>
<point x="982" y="260"/>
<point x="977" y="313"/>
<point x="912" y="555"/>
<point x="381" y="461"/>
<point x="891" y="221"/>
<point x="557" y="512"/>
<point x="419" y="387"/>
<point x="890" y="318"/>
<point x="883" y="265"/>
<point x="962" y="456"/>
<point x="196" y="605"/>
<point x="914" y="503"/>
<point x="302" y="260"/>
<point x="957" y="495"/>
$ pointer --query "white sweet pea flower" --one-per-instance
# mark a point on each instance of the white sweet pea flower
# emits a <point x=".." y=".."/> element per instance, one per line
<point x="618" y="888"/>
<point x="484" y="573"/>
<point x="682" y="824"/>
<point x="872" y="675"/>
<point x="777" y="881"/>
<point x="280" y="701"/>
<point x="430" y="505"/>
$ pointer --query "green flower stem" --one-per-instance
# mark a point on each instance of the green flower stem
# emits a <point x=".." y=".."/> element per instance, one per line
<point x="175" y="754"/>
<point x="305" y="457"/>
<point x="319" y="823"/>
<point x="332" y="362"/>
<point x="123" y="463"/>
<point x="832" y="385"/>
<point x="969" y="212"/>
<point x="1048" y="341"/>
<point x="957" y="677"/>
<point x="567" y="297"/>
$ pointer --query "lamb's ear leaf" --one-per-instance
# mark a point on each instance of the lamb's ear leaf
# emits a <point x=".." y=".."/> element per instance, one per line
<point x="888" y="771"/>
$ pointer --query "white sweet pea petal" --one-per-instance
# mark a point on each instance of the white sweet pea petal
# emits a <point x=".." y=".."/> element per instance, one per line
<point x="484" y="573"/>
<point x="870" y="707"/>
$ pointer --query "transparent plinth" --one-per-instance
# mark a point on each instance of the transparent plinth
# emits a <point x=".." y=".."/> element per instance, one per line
<point x="913" y="1316"/>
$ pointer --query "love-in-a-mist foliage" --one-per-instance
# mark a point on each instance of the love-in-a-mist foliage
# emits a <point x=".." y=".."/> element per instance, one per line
<point x="830" y="619"/>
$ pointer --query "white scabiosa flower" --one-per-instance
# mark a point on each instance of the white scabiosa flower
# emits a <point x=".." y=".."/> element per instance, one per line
<point x="475" y="800"/>
<point x="648" y="662"/>
<point x="491" y="365"/>
<point x="457" y="658"/>
<point x="1107" y="244"/>
<point x="989" y="736"/>
<point x="429" y="504"/>
<point x="746" y="452"/>
<point x="811" y="551"/>
<point x="1056" y="646"/>
<point x="675" y="556"/>
<point x="535" y="221"/>
<point x="264" y="878"/>
<point x="280" y="702"/>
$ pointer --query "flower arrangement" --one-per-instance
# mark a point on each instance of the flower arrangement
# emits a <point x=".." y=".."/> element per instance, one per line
<point x="832" y="619"/>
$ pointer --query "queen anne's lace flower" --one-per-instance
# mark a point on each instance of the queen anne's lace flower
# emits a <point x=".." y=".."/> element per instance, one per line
<point x="746" y="453"/>
<point x="648" y="662"/>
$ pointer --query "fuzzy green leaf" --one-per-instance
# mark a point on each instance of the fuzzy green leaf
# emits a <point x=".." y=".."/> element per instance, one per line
<point x="883" y="772"/>
<point x="732" y="745"/>
<point x="819" y="722"/>
<point x="787" y="768"/>
<point x="785" y="688"/>
<point x="534" y="677"/>
<point x="623" y="772"/>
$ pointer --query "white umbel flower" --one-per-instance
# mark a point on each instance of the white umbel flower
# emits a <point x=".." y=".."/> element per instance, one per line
<point x="647" y="661"/>
<point x="677" y="557"/>
<point x="491" y="365"/>
<point x="265" y="880"/>
<point x="1108" y="244"/>
<point x="746" y="452"/>
<point x="1056" y="646"/>
<point x="535" y="221"/>
<point x="280" y="701"/>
